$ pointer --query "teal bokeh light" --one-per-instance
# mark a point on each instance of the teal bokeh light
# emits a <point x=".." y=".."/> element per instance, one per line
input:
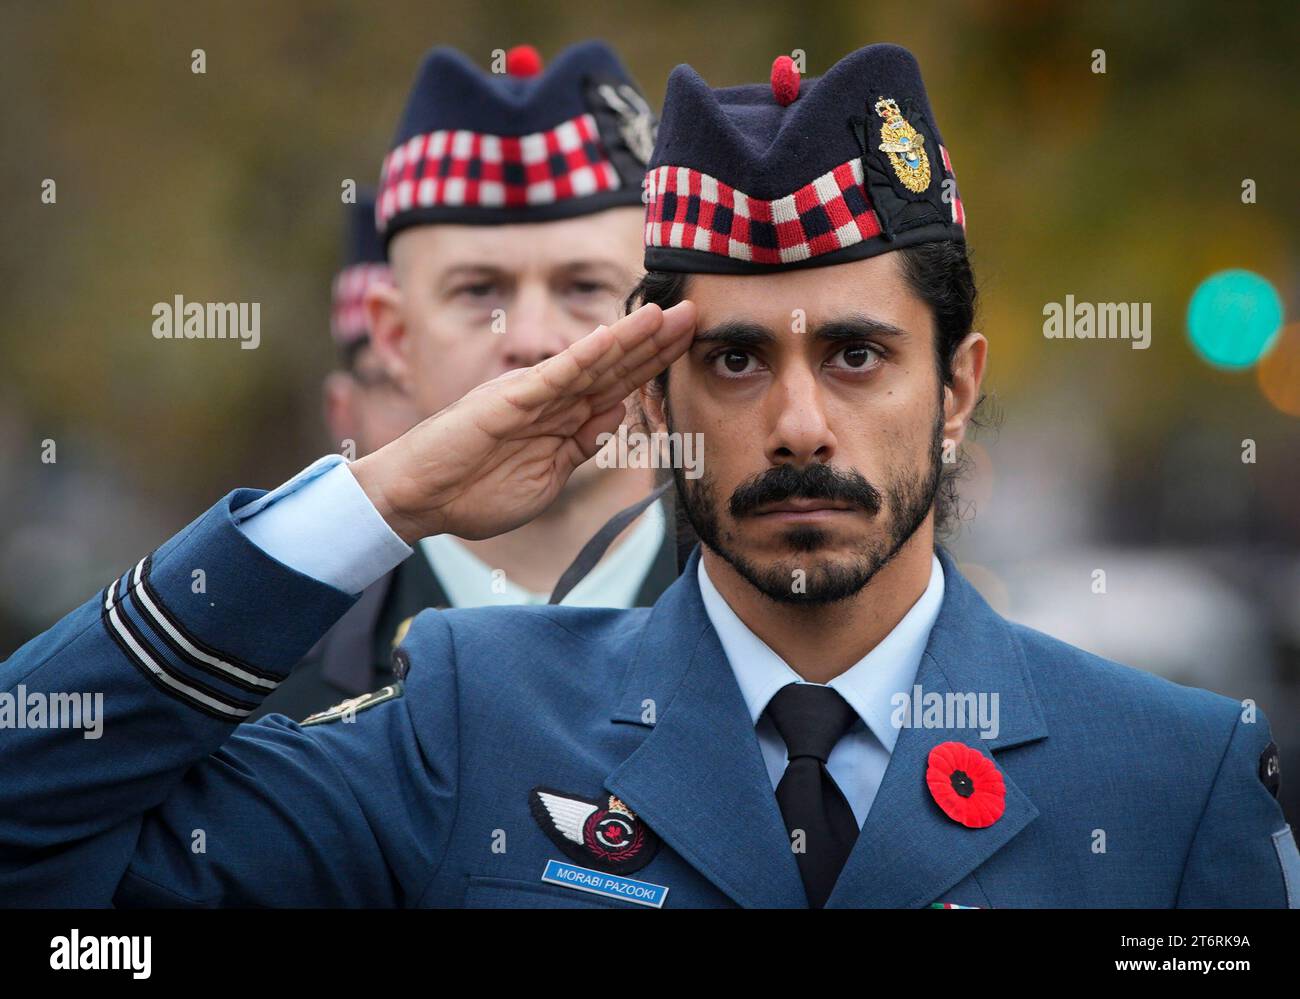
<point x="1233" y="318"/>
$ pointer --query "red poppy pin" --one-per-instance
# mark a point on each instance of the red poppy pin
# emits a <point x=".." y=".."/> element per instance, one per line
<point x="966" y="785"/>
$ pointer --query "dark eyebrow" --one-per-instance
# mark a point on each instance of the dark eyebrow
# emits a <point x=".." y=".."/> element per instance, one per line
<point x="737" y="333"/>
<point x="857" y="327"/>
<point x="743" y="333"/>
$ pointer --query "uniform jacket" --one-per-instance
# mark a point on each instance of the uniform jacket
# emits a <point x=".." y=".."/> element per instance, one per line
<point x="355" y="655"/>
<point x="1122" y="789"/>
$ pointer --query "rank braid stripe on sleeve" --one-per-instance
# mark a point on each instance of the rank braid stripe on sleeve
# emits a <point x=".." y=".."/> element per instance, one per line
<point x="159" y="646"/>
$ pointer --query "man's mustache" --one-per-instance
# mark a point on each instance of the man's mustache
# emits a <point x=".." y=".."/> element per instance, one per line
<point x="813" y="482"/>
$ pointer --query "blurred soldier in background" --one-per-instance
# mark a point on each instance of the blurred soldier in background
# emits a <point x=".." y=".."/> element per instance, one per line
<point x="511" y="212"/>
<point x="364" y="409"/>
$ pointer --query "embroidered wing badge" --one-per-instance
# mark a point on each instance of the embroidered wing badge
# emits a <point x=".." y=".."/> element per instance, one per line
<point x="604" y="834"/>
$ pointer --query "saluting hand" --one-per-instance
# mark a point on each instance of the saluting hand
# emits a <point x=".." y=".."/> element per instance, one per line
<point x="497" y="457"/>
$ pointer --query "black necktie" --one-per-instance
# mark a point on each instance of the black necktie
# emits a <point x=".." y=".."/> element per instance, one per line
<point x="811" y="719"/>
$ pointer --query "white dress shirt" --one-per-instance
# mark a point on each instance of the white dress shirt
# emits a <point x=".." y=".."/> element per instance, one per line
<point x="858" y="761"/>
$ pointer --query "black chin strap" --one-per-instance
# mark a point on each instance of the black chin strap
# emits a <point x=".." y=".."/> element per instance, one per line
<point x="594" y="550"/>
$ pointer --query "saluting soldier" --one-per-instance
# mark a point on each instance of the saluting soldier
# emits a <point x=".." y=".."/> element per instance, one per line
<point x="743" y="742"/>
<point x="364" y="408"/>
<point x="511" y="206"/>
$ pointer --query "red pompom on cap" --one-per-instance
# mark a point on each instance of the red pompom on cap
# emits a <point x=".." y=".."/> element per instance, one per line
<point x="523" y="60"/>
<point x="785" y="80"/>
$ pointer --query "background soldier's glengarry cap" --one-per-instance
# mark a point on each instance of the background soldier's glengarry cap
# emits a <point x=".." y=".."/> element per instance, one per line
<point x="363" y="266"/>
<point x="851" y="167"/>
<point x="483" y="148"/>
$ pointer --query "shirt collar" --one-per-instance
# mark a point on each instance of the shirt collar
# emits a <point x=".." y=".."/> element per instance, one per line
<point x="869" y="685"/>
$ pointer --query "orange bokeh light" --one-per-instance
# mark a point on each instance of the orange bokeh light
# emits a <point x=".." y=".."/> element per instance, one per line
<point x="1278" y="371"/>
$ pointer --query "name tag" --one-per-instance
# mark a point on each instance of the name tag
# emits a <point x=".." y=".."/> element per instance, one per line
<point x="600" y="883"/>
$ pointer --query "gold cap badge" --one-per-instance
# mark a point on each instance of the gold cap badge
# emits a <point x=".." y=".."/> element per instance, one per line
<point x="905" y="147"/>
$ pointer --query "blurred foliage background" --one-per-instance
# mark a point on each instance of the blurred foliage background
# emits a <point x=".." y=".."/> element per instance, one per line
<point x="1115" y="187"/>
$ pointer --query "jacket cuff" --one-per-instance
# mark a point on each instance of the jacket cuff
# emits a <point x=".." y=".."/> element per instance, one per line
<point x="214" y="621"/>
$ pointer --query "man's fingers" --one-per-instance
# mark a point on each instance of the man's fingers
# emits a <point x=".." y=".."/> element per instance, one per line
<point x="604" y="357"/>
<point x="602" y="369"/>
<point x="636" y="354"/>
<point x="648" y="358"/>
<point x="575" y="370"/>
<point x="582" y="445"/>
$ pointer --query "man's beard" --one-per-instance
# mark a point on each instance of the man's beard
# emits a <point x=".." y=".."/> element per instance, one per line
<point x="910" y="502"/>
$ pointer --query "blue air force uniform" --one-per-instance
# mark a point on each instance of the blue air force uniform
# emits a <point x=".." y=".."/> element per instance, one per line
<point x="617" y="742"/>
<point x="567" y="756"/>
